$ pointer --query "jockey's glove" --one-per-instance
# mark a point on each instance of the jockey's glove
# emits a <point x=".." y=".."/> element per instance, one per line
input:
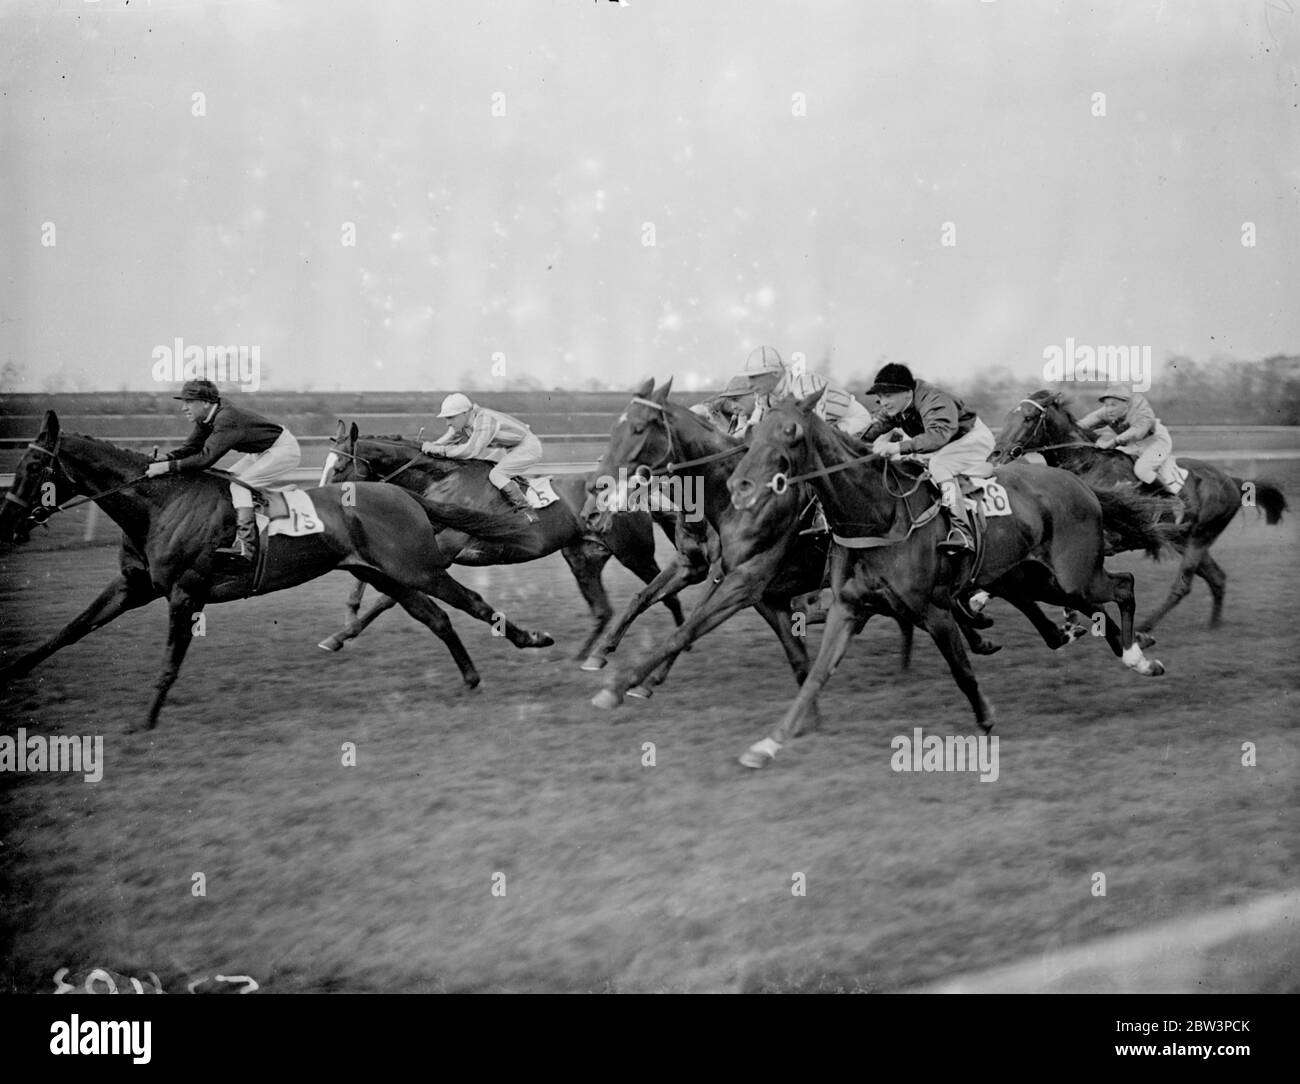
<point x="1106" y="443"/>
<point x="431" y="448"/>
<point x="162" y="466"/>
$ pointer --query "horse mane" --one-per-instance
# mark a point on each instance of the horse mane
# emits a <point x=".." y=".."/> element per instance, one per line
<point x="107" y="444"/>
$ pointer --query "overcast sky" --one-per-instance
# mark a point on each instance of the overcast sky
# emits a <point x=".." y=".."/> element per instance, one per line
<point x="797" y="166"/>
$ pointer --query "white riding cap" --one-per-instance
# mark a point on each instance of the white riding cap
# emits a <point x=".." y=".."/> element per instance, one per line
<point x="763" y="360"/>
<point x="454" y="404"/>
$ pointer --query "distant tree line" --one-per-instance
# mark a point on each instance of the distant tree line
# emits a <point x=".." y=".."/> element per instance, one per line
<point x="1183" y="392"/>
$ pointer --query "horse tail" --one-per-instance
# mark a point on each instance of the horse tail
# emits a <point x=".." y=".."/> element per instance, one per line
<point x="1131" y="523"/>
<point x="1268" y="497"/>
<point x="488" y="525"/>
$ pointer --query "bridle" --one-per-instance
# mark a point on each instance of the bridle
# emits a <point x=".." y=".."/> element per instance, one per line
<point x="1018" y="449"/>
<point x="670" y="463"/>
<point x="1026" y="444"/>
<point x="41" y="513"/>
<point x="337" y="450"/>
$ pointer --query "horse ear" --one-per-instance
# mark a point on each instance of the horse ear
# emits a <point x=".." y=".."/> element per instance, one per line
<point x="660" y="395"/>
<point x="353" y="433"/>
<point x="340" y="431"/>
<point x="49" y="433"/>
<point x="643" y="392"/>
<point x="809" y="402"/>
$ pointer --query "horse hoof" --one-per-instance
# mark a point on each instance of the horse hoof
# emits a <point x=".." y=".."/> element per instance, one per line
<point x="1144" y="639"/>
<point x="594" y="662"/>
<point x="641" y="692"/>
<point x="606" y="700"/>
<point x="331" y="645"/>
<point x="1157" y="668"/>
<point x="987" y="647"/>
<point x="760" y="754"/>
<point x="541" y="639"/>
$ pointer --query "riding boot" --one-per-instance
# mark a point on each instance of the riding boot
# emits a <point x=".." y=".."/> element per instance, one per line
<point x="245" y="536"/>
<point x="960" y="537"/>
<point x="512" y="493"/>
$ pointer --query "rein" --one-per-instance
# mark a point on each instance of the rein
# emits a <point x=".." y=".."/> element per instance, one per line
<point x="43" y="513"/>
<point x="670" y="465"/>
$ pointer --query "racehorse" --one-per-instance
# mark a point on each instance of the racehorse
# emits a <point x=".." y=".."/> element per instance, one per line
<point x="1042" y="423"/>
<point x="464" y="483"/>
<point x="885" y="559"/>
<point x="762" y="561"/>
<point x="171" y="525"/>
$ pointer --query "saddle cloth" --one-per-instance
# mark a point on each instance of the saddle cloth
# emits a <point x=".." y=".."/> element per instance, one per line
<point x="287" y="511"/>
<point x="538" y="491"/>
<point x="1170" y="471"/>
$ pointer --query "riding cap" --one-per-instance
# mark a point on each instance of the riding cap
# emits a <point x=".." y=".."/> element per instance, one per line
<point x="1116" y="391"/>
<point x="763" y="360"/>
<point x="891" y="378"/>
<point x="737" y="387"/>
<point x="203" y="390"/>
<point x="454" y="404"/>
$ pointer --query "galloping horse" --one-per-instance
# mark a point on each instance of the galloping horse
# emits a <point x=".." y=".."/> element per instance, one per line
<point x="1042" y="423"/>
<point x="171" y="525"/>
<point x="464" y="483"/>
<point x="886" y="561"/>
<point x="760" y="560"/>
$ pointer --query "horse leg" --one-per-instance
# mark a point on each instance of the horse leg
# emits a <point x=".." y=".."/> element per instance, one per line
<point x="843" y="621"/>
<point x="943" y="629"/>
<point x="471" y="602"/>
<point x="647" y="570"/>
<point x="183" y="604"/>
<point x="421" y="607"/>
<point x="586" y="566"/>
<point x="117" y="598"/>
<point x="357" y="625"/>
<point x="726" y="597"/>
<point x="1216" y="579"/>
<point x="1193" y="556"/>
<point x="683" y="572"/>
<point x="908" y="633"/>
<point x="645" y="689"/>
<point x="1116" y="587"/>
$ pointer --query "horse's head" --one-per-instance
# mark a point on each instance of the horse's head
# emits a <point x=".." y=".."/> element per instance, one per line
<point x="640" y="446"/>
<point x="1036" y="422"/>
<point x="39" y="484"/>
<point x="779" y="446"/>
<point x="354" y="458"/>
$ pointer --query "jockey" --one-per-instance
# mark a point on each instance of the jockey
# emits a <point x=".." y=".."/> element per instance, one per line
<point x="475" y="432"/>
<point x="918" y="417"/>
<point x="1132" y="426"/>
<point x="271" y="451"/>
<point x="725" y="411"/>
<point x="770" y="379"/>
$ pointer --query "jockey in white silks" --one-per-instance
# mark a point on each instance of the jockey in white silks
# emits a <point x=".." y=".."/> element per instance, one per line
<point x="476" y="432"/>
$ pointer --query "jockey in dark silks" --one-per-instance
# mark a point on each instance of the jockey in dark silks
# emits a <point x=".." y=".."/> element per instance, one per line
<point x="270" y="453"/>
<point x="916" y="417"/>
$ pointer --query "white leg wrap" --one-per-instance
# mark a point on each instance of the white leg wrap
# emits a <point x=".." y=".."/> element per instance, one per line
<point x="1133" y="657"/>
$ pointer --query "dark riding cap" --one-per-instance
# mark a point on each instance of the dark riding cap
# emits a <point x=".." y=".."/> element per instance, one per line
<point x="203" y="390"/>
<point x="893" y="378"/>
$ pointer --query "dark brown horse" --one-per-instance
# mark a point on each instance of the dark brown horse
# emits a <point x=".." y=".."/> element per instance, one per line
<point x="1043" y="423"/>
<point x="171" y="525"/>
<point x="760" y="560"/>
<point x="464" y="483"/>
<point x="886" y="558"/>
